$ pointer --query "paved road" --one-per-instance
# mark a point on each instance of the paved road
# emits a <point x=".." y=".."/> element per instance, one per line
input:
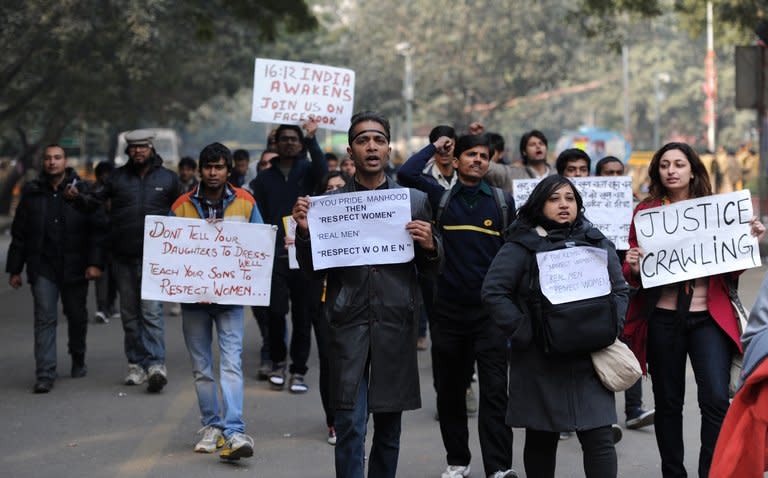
<point x="96" y="427"/>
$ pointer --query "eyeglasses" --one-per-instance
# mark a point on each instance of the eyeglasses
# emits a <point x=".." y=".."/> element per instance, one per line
<point x="288" y="139"/>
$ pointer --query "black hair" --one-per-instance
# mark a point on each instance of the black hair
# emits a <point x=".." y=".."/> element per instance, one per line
<point x="213" y="152"/>
<point x="699" y="185"/>
<point x="327" y="178"/>
<point x="240" y="155"/>
<point x="441" y="130"/>
<point x="331" y="157"/>
<point x="608" y="159"/>
<point x="187" y="162"/>
<point x="104" y="167"/>
<point x="571" y="154"/>
<point x="55" y="145"/>
<point x="293" y="127"/>
<point x="534" y="133"/>
<point x="367" y="116"/>
<point x="497" y="141"/>
<point x="532" y="212"/>
<point x="469" y="141"/>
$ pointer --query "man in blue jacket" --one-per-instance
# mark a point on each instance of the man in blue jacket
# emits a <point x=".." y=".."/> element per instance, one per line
<point x="276" y="190"/>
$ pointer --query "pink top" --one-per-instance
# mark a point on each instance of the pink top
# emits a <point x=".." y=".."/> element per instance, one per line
<point x="668" y="298"/>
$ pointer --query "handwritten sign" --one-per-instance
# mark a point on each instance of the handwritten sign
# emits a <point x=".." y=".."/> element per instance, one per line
<point x="360" y="228"/>
<point x="289" y="226"/>
<point x="607" y="203"/>
<point x="696" y="238"/>
<point x="574" y="273"/>
<point x="191" y="260"/>
<point x="289" y="92"/>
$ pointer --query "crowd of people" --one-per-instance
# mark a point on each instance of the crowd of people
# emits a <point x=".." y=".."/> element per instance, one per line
<point x="473" y="284"/>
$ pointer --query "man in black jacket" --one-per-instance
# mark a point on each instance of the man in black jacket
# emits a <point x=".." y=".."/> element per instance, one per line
<point x="139" y="188"/>
<point x="58" y="235"/>
<point x="276" y="190"/>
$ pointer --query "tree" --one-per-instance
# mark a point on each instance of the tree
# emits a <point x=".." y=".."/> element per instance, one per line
<point x="124" y="62"/>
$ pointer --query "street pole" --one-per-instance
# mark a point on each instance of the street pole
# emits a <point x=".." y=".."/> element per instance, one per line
<point x="406" y="50"/>
<point x="710" y="87"/>
<point x="659" y="96"/>
<point x="625" y="82"/>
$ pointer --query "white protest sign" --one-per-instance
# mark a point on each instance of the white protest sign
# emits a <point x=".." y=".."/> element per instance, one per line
<point x="360" y="228"/>
<point x="696" y="238"/>
<point x="289" y="226"/>
<point x="607" y="203"/>
<point x="289" y="92"/>
<point x="191" y="260"/>
<point x="573" y="273"/>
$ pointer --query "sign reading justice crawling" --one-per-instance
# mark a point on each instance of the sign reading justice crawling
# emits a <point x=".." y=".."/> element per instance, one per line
<point x="360" y="228"/>
<point x="696" y="238"/>
<point x="289" y="92"/>
<point x="191" y="260"/>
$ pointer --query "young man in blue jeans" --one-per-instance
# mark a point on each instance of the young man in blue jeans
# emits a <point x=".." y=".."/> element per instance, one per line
<point x="215" y="199"/>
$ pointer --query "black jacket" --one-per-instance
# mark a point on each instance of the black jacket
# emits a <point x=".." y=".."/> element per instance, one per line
<point x="133" y="197"/>
<point x="83" y="231"/>
<point x="547" y="393"/>
<point x="276" y="194"/>
<point x="373" y="313"/>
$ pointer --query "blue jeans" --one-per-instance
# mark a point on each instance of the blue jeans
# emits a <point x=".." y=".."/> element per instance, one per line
<point x="45" y="293"/>
<point x="142" y="319"/>
<point x="351" y="426"/>
<point x="197" y="324"/>
<point x="670" y="340"/>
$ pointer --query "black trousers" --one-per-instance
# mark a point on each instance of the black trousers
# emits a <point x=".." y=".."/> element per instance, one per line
<point x="322" y="337"/>
<point x="462" y="335"/>
<point x="596" y="445"/>
<point x="289" y="285"/>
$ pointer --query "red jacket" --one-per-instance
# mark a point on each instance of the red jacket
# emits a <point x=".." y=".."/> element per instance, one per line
<point x="741" y="450"/>
<point x="636" y="326"/>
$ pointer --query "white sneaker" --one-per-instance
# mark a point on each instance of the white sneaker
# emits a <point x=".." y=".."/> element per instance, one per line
<point x="238" y="446"/>
<point x="212" y="440"/>
<point x="504" y="474"/>
<point x="157" y="377"/>
<point x="136" y="375"/>
<point x="455" y="471"/>
<point x="100" y="318"/>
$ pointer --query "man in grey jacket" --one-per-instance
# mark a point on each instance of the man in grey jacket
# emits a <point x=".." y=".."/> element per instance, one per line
<point x="373" y="311"/>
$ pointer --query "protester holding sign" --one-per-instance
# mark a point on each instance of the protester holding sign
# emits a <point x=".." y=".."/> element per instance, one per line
<point x="553" y="255"/>
<point x="276" y="190"/>
<point x="214" y="199"/>
<point x="373" y="315"/>
<point x="690" y="318"/>
<point x="471" y="217"/>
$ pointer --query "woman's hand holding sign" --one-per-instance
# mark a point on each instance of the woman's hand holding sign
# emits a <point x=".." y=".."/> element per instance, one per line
<point x="757" y="228"/>
<point x="421" y="232"/>
<point x="634" y="255"/>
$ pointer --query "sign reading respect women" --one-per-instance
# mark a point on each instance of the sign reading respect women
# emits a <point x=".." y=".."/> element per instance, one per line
<point x="192" y="260"/>
<point x="696" y="238"/>
<point x="289" y="92"/>
<point x="360" y="228"/>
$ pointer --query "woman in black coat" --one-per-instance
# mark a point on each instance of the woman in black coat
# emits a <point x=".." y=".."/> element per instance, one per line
<point x="549" y="393"/>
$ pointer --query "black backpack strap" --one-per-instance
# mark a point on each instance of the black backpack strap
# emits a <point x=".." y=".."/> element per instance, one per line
<point x="501" y="203"/>
<point x="444" y="200"/>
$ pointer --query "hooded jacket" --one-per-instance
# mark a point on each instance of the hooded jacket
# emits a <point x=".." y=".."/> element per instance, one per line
<point x="547" y="393"/>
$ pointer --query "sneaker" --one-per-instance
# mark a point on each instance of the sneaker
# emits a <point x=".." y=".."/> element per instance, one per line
<point x="277" y="377"/>
<point x="264" y="370"/>
<point x="136" y="375"/>
<point x="43" y="386"/>
<point x="100" y="318"/>
<point x="211" y="441"/>
<point x="79" y="369"/>
<point x="157" y="377"/>
<point x="617" y="433"/>
<point x="297" y="383"/>
<point x="331" y="436"/>
<point x="471" y="402"/>
<point x="114" y="316"/>
<point x="566" y="435"/>
<point x="504" y="474"/>
<point x="641" y="418"/>
<point x="239" y="445"/>
<point x="455" y="471"/>
<point x="421" y="343"/>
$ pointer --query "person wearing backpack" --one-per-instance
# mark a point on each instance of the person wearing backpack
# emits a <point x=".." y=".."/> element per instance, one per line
<point x="471" y="218"/>
<point x="552" y="383"/>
